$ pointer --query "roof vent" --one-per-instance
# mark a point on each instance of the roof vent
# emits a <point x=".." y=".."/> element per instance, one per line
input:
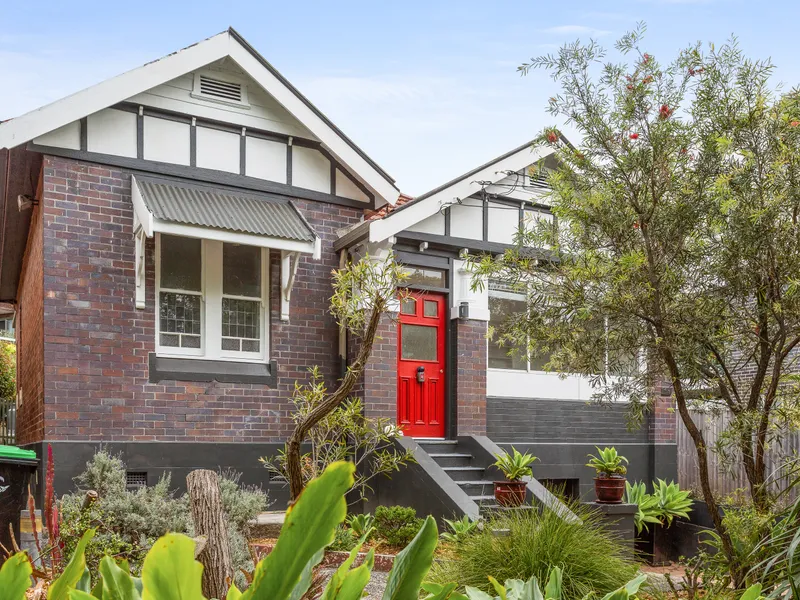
<point x="220" y="90"/>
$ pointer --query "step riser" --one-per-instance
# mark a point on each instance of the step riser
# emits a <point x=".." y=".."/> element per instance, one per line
<point x="453" y="461"/>
<point x="478" y="489"/>
<point x="465" y="475"/>
<point x="440" y="448"/>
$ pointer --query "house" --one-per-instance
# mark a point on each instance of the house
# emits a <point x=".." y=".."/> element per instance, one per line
<point x="168" y="239"/>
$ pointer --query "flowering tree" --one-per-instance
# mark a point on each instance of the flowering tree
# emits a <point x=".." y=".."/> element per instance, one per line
<point x="677" y="250"/>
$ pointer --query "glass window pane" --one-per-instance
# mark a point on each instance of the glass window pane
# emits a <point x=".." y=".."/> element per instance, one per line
<point x="241" y="270"/>
<point x="241" y="322"/>
<point x="181" y="263"/>
<point x="418" y="342"/>
<point x="431" y="308"/>
<point x="426" y="277"/>
<point x="408" y="306"/>
<point x="179" y="320"/>
<point x="502" y="306"/>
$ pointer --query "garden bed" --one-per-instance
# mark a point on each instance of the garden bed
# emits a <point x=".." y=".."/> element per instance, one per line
<point x="333" y="558"/>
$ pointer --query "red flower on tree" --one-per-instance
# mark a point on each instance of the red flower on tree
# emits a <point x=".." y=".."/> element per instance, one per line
<point x="794" y="123"/>
<point x="634" y="136"/>
<point x="664" y="112"/>
<point x="552" y="136"/>
<point x="646" y="59"/>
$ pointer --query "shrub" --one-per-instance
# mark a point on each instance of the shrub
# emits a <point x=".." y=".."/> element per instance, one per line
<point x="344" y="539"/>
<point x="8" y="371"/>
<point x="592" y="558"/>
<point x="128" y="522"/>
<point x="362" y="525"/>
<point x="397" y="524"/>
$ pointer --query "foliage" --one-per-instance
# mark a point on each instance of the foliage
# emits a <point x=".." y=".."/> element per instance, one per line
<point x="459" y="529"/>
<point x="666" y="503"/>
<point x="8" y="371"/>
<point x="344" y="434"/>
<point x="515" y="466"/>
<point x="396" y="524"/>
<point x="608" y="462"/>
<point x="362" y="294"/>
<point x="593" y="559"/>
<point x="171" y="573"/>
<point x="363" y="525"/>
<point x="344" y="539"/>
<point x="127" y="523"/>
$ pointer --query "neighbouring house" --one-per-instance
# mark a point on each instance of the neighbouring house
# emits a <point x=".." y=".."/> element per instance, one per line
<point x="168" y="241"/>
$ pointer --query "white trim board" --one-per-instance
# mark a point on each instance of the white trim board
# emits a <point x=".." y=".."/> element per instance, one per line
<point x="110" y="92"/>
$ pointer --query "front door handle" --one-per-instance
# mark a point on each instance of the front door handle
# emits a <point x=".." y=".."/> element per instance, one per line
<point x="421" y="374"/>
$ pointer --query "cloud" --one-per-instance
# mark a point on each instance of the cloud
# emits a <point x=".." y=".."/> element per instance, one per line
<point x="578" y="30"/>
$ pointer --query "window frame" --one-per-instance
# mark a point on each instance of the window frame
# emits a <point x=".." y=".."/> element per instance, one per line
<point x="211" y="295"/>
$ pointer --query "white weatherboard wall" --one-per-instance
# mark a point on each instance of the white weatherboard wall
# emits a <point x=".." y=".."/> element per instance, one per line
<point x="166" y="141"/>
<point x="112" y="131"/>
<point x="508" y="383"/>
<point x="68" y="136"/>
<point x="266" y="159"/>
<point x="218" y="149"/>
<point x="347" y="189"/>
<point x="433" y="224"/>
<point x="503" y="223"/>
<point x="310" y="170"/>
<point x="466" y="219"/>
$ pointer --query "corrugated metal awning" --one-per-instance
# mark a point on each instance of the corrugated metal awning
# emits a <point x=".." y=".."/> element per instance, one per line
<point x="181" y="203"/>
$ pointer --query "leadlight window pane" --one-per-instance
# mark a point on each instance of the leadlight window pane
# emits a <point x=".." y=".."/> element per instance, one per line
<point x="417" y="276"/>
<point x="408" y="306"/>
<point x="431" y="308"/>
<point x="179" y="320"/>
<point x="241" y="270"/>
<point x="181" y="263"/>
<point x="241" y="325"/>
<point x="418" y="342"/>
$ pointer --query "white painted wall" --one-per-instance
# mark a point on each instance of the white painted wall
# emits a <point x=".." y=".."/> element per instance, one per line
<point x="503" y="222"/>
<point x="347" y="189"/>
<point x="266" y="159"/>
<point x="112" y="131"/>
<point x="507" y="383"/>
<point x="166" y="141"/>
<point x="466" y="219"/>
<point x="310" y="169"/>
<point x="217" y="149"/>
<point x="434" y="224"/>
<point x="478" y="300"/>
<point x="68" y="136"/>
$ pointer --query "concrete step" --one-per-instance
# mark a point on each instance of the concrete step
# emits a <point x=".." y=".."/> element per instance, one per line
<point x="477" y="488"/>
<point x="439" y="446"/>
<point x="464" y="473"/>
<point x="451" y="459"/>
<point x="483" y="499"/>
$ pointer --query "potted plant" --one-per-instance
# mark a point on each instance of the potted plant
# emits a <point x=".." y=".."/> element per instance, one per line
<point x="511" y="492"/>
<point x="609" y="484"/>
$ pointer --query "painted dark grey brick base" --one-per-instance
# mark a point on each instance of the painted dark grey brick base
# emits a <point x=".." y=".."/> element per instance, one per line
<point x="157" y="458"/>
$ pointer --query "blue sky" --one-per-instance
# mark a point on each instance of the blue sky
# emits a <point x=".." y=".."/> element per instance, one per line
<point x="428" y="89"/>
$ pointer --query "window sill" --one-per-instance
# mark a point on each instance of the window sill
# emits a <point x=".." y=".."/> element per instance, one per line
<point x="193" y="369"/>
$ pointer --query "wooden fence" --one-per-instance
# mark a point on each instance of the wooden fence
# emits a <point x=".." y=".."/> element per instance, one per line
<point x="725" y="480"/>
<point x="8" y="422"/>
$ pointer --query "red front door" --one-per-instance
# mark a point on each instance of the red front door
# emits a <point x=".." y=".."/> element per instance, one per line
<point x="421" y="365"/>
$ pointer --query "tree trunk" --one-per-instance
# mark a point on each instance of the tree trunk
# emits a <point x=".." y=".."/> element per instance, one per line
<point x="293" y="464"/>
<point x="209" y="521"/>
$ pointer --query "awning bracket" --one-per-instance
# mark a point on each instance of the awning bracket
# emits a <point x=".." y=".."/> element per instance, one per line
<point x="289" y="264"/>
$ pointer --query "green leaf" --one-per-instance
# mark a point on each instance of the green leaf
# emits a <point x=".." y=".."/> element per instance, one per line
<point x="476" y="594"/>
<point x="170" y="571"/>
<point x="752" y="593"/>
<point x="443" y="592"/>
<point x="117" y="582"/>
<point x="350" y="584"/>
<point x="85" y="583"/>
<point x="73" y="572"/>
<point x="15" y="576"/>
<point x="309" y="527"/>
<point x="552" y="591"/>
<point x="500" y="589"/>
<point x="307" y="575"/>
<point x="412" y="564"/>
<point x="80" y="595"/>
<point x="233" y="593"/>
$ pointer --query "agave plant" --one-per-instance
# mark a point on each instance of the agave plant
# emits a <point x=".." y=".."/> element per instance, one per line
<point x="515" y="466"/>
<point x="647" y="505"/>
<point x="608" y="462"/>
<point x="459" y="529"/>
<point x="672" y="501"/>
<point x="362" y="525"/>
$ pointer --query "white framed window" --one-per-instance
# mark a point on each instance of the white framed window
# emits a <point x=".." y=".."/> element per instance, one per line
<point x="504" y="303"/>
<point x="212" y="299"/>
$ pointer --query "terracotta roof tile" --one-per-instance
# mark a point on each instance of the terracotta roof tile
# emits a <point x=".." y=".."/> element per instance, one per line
<point x="372" y="215"/>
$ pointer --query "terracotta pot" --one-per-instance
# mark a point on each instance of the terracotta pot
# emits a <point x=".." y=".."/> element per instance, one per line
<point x="609" y="490"/>
<point x="510" y="493"/>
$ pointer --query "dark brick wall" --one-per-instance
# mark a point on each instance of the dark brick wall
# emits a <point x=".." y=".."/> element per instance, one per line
<point x="470" y="389"/>
<point x="556" y="421"/>
<point x="97" y="343"/>
<point x="30" y="338"/>
<point x="380" y="374"/>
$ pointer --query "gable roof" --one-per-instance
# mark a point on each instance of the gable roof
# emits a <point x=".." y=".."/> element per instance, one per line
<point x="229" y="43"/>
<point x="389" y="222"/>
